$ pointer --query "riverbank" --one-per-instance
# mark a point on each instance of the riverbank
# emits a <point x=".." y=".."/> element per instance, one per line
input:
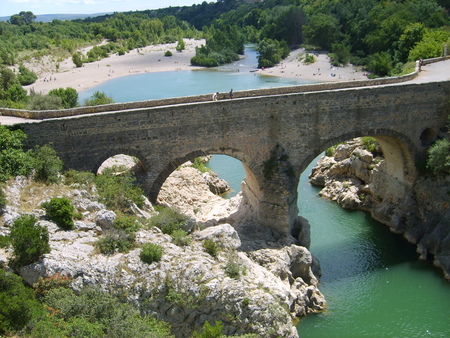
<point x="150" y="59"/>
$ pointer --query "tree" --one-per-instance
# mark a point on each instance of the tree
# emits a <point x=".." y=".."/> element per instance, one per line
<point x="29" y="241"/>
<point x="23" y="18"/>
<point x="180" y="46"/>
<point x="271" y="52"/>
<point x="322" y="30"/>
<point x="380" y="64"/>
<point x="13" y="160"/>
<point x="26" y="76"/>
<point x="47" y="164"/>
<point x="98" y="98"/>
<point x="69" y="96"/>
<point x="77" y="60"/>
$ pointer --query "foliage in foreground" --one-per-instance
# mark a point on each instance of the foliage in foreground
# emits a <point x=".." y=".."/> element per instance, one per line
<point x="169" y="220"/>
<point x="29" y="241"/>
<point x="98" y="98"/>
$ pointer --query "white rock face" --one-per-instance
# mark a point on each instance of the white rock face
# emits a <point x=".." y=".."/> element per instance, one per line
<point x="255" y="284"/>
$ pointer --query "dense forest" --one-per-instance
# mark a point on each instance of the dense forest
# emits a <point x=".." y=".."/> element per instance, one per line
<point x="381" y="35"/>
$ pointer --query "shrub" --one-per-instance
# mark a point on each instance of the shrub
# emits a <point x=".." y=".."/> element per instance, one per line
<point x="68" y="96"/>
<point x="44" y="102"/>
<point x="371" y="145"/>
<point x="98" y="98"/>
<point x="77" y="60"/>
<point x="168" y="53"/>
<point x="199" y="164"/>
<point x="116" y="239"/>
<point x="169" y="220"/>
<point x="232" y="269"/>
<point x="82" y="178"/>
<point x="29" y="241"/>
<point x="180" y="238"/>
<point x="100" y="310"/>
<point x="60" y="210"/>
<point x="47" y="164"/>
<point x="151" y="253"/>
<point x="211" y="247"/>
<point x="26" y="76"/>
<point x="118" y="192"/>
<point x="17" y="303"/>
<point x="439" y="157"/>
<point x="209" y="331"/>
<point x="44" y="285"/>
<point x="128" y="223"/>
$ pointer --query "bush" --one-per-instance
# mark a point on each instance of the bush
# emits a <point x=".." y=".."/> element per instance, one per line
<point x="118" y="192"/>
<point x="180" y="238"/>
<point x="82" y="178"/>
<point x="68" y="96"/>
<point x="439" y="157"/>
<point x="60" y="210"/>
<point x="17" y="303"/>
<point x="151" y="253"/>
<point x="127" y="223"/>
<point x="44" y="102"/>
<point x="77" y="60"/>
<point x="211" y="247"/>
<point x="371" y="145"/>
<point x="168" y="53"/>
<point x="47" y="164"/>
<point x="169" y="220"/>
<point x="98" y="98"/>
<point x="232" y="269"/>
<point x="26" y="76"/>
<point x="44" y="285"/>
<point x="29" y="241"/>
<point x="116" y="240"/>
<point x="209" y="331"/>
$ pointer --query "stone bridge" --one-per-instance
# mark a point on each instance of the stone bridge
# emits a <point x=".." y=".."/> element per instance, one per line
<point x="274" y="135"/>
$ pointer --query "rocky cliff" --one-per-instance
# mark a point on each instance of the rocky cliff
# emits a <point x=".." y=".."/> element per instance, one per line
<point x="254" y="285"/>
<point x="354" y="177"/>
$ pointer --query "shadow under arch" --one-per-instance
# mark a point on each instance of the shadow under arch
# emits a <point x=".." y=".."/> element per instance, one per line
<point x="399" y="152"/>
<point x="250" y="187"/>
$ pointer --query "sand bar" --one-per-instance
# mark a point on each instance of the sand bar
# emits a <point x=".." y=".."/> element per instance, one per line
<point x="151" y="59"/>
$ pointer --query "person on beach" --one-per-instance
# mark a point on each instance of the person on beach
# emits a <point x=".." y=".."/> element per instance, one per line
<point x="231" y="93"/>
<point x="214" y="96"/>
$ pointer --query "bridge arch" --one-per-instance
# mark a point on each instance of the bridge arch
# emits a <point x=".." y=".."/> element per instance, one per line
<point x="399" y="152"/>
<point x="251" y="187"/>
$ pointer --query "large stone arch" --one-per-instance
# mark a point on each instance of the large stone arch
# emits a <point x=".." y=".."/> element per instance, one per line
<point x="399" y="152"/>
<point x="251" y="188"/>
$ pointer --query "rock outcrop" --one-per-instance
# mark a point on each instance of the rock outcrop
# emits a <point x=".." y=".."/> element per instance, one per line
<point x="355" y="178"/>
<point x="255" y="284"/>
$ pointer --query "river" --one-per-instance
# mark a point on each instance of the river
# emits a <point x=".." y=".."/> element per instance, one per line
<point x="372" y="280"/>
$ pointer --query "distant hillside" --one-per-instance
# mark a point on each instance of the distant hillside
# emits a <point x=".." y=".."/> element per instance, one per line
<point x="51" y="17"/>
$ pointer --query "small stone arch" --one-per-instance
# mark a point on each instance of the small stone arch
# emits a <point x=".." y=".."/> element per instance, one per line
<point x="427" y="137"/>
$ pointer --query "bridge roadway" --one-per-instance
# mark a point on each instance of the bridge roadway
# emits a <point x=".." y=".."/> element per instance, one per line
<point x="274" y="136"/>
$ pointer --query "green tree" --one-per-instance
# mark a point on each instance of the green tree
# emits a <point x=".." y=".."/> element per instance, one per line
<point x="77" y="60"/>
<point x="37" y="101"/>
<point x="69" y="96"/>
<point x="322" y="30"/>
<point x="23" y="18"/>
<point x="271" y="52"/>
<point x="29" y="241"/>
<point x="380" y="64"/>
<point x="181" y="45"/>
<point x="26" y="76"/>
<point x="13" y="160"/>
<point x="98" y="98"/>
<point x="47" y="164"/>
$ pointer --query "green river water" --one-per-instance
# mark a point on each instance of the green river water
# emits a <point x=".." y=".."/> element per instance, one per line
<point x="372" y="281"/>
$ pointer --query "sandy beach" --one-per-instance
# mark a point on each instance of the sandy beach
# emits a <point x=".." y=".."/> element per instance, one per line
<point x="152" y="59"/>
